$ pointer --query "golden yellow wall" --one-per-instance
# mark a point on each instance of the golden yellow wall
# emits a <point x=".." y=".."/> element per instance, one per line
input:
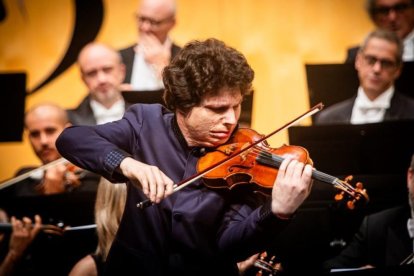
<point x="277" y="36"/>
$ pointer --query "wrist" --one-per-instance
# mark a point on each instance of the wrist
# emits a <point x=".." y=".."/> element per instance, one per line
<point x="276" y="210"/>
<point x="13" y="255"/>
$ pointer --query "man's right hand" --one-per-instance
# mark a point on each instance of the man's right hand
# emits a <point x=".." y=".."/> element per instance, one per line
<point x="153" y="182"/>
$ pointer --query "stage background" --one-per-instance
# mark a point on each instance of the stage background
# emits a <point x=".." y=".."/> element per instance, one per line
<point x="277" y="37"/>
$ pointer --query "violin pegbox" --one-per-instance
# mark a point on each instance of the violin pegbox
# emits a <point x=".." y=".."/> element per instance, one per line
<point x="354" y="195"/>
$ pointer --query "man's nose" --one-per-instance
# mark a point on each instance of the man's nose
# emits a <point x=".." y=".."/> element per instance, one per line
<point x="44" y="138"/>
<point x="101" y="76"/>
<point x="377" y="66"/>
<point x="230" y="117"/>
<point x="392" y="15"/>
<point x="145" y="26"/>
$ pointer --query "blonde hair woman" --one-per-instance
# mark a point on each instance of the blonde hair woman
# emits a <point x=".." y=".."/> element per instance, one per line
<point x="109" y="206"/>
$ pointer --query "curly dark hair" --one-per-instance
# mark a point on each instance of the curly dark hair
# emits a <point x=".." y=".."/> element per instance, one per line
<point x="202" y="68"/>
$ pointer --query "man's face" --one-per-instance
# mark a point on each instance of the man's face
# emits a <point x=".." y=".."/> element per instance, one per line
<point x="395" y="15"/>
<point x="377" y="66"/>
<point x="212" y="122"/>
<point x="43" y="128"/>
<point x="103" y="73"/>
<point x="155" y="19"/>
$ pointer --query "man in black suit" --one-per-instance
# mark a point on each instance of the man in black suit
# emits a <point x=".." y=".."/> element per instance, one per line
<point x="103" y="73"/>
<point x="146" y="59"/>
<point x="392" y="15"/>
<point x="379" y="63"/>
<point x="384" y="239"/>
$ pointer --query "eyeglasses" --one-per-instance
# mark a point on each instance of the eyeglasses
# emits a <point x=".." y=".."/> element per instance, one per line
<point x="398" y="8"/>
<point x="153" y="22"/>
<point x="386" y="64"/>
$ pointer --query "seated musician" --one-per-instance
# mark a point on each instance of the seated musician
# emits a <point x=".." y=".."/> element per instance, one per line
<point x="43" y="124"/>
<point x="384" y="238"/>
<point x="62" y="194"/>
<point x="14" y="248"/>
<point x="379" y="64"/>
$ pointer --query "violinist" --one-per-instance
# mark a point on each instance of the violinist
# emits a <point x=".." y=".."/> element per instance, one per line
<point x="43" y="124"/>
<point x="197" y="230"/>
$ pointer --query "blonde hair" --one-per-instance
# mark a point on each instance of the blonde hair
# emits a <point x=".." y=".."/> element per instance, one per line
<point x="109" y="207"/>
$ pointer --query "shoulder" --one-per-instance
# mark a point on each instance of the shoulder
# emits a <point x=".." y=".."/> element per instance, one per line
<point x="336" y="113"/>
<point x="175" y="49"/>
<point x="127" y="50"/>
<point x="146" y="108"/>
<point x="25" y="170"/>
<point x="351" y="54"/>
<point x="399" y="98"/>
<point x="387" y="216"/>
<point x="142" y="112"/>
<point x="85" y="267"/>
<point x="81" y="108"/>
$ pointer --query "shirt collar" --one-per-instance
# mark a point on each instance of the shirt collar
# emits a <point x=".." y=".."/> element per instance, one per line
<point x="382" y="101"/>
<point x="103" y="114"/>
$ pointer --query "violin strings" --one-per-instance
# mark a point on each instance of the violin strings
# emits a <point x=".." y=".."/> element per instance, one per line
<point x="257" y="151"/>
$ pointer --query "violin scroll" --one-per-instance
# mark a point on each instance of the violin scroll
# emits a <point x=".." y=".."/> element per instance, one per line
<point x="358" y="194"/>
<point x="267" y="265"/>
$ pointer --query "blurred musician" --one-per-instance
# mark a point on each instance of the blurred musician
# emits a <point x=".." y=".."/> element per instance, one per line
<point x="58" y="191"/>
<point x="43" y="124"/>
<point x="384" y="239"/>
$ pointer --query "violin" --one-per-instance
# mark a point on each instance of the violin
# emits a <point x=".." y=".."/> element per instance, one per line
<point x="247" y="159"/>
<point x="258" y="166"/>
<point x="267" y="265"/>
<point x="72" y="175"/>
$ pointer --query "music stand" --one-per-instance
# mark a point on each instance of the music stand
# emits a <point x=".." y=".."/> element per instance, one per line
<point x="12" y="105"/>
<point x="143" y="96"/>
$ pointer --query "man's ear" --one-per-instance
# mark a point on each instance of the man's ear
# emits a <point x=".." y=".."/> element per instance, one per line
<point x="410" y="176"/>
<point x="358" y="58"/>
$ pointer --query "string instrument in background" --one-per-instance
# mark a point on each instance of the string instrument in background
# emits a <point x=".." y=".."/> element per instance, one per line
<point x="409" y="260"/>
<point x="58" y="229"/>
<point x="267" y="265"/>
<point x="73" y="173"/>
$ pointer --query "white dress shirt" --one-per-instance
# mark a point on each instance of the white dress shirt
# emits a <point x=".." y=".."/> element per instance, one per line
<point x="408" y="54"/>
<point x="104" y="115"/>
<point x="367" y="111"/>
<point x="144" y="76"/>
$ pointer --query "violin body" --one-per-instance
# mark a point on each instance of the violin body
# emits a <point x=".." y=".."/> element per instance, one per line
<point x="247" y="159"/>
<point x="245" y="168"/>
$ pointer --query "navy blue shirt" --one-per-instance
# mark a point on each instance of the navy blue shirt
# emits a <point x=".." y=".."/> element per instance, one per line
<point x="195" y="231"/>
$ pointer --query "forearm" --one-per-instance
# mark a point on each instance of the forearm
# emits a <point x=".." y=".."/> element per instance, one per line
<point x="88" y="149"/>
<point x="9" y="263"/>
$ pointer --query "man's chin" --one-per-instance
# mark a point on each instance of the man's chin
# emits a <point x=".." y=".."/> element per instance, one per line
<point x="48" y="159"/>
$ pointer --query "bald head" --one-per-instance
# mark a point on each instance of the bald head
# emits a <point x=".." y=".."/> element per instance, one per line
<point x="43" y="124"/>
<point x="103" y="72"/>
<point x="163" y="6"/>
<point x="48" y="110"/>
<point x="94" y="51"/>
<point x="156" y="17"/>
